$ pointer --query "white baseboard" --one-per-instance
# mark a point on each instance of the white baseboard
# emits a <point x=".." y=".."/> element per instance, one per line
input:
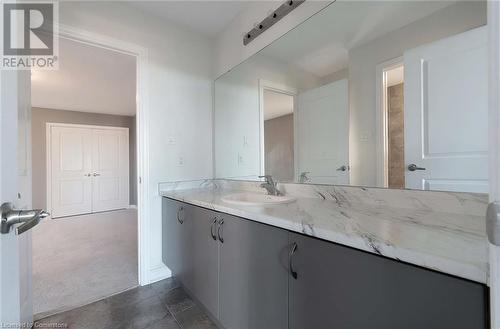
<point x="158" y="273"/>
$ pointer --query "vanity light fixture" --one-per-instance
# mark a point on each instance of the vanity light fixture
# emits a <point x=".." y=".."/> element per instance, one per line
<point x="272" y="19"/>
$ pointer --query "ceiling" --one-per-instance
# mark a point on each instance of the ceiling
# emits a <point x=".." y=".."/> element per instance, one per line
<point x="326" y="39"/>
<point x="395" y="76"/>
<point x="277" y="104"/>
<point x="205" y="17"/>
<point x="89" y="79"/>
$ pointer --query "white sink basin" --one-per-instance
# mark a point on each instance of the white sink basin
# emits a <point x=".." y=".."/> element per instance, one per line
<point x="255" y="199"/>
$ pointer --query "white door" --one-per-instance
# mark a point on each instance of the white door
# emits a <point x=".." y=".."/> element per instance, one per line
<point x="110" y="165"/>
<point x="446" y="113"/>
<point x="89" y="169"/>
<point x="323" y="134"/>
<point x="71" y="167"/>
<point x="15" y="149"/>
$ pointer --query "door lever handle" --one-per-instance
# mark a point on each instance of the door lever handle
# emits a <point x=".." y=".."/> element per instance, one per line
<point x="342" y="168"/>
<point x="96" y="174"/>
<point x="413" y="167"/>
<point x="29" y="218"/>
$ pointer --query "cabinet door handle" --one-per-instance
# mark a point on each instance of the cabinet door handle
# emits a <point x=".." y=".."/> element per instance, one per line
<point x="220" y="231"/>
<point x="290" y="256"/>
<point x="181" y="221"/>
<point x="212" y="229"/>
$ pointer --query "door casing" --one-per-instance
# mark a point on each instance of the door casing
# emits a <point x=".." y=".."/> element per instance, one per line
<point x="146" y="274"/>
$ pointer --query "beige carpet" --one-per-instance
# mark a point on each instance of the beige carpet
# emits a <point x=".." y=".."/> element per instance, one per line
<point x="80" y="259"/>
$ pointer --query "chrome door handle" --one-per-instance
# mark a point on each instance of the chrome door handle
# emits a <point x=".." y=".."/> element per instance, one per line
<point x="212" y="231"/>
<point x="342" y="168"/>
<point x="96" y="174"/>
<point x="181" y="209"/>
<point x="29" y="218"/>
<point x="293" y="249"/>
<point x="219" y="230"/>
<point x="413" y="167"/>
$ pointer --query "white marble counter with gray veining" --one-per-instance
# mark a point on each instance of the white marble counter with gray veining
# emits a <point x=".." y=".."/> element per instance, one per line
<point x="443" y="231"/>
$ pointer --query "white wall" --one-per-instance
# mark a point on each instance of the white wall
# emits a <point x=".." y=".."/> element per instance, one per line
<point x="230" y="50"/>
<point x="237" y="113"/>
<point x="180" y="96"/>
<point x="362" y="76"/>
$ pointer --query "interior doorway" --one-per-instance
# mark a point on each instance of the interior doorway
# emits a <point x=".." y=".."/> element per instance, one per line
<point x="391" y="172"/>
<point x="394" y="78"/>
<point x="279" y="135"/>
<point x="85" y="172"/>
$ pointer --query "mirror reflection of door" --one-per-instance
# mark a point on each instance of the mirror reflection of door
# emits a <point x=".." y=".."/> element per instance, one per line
<point x="446" y="114"/>
<point x="279" y="135"/>
<point x="323" y="134"/>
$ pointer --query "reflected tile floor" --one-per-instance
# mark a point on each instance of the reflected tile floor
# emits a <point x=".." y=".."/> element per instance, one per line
<point x="163" y="304"/>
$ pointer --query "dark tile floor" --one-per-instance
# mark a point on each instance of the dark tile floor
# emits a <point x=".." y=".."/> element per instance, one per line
<point x="163" y="304"/>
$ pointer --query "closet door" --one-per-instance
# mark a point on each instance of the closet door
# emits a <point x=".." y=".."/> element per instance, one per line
<point x="70" y="168"/>
<point x="110" y="169"/>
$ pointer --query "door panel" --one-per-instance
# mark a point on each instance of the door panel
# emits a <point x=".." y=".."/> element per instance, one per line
<point x="323" y="137"/>
<point x="110" y="169"/>
<point x="202" y="257"/>
<point x="253" y="275"/>
<point x="171" y="235"/>
<point x="71" y="150"/>
<point x="15" y="186"/>
<point x="340" y="287"/>
<point x="446" y="113"/>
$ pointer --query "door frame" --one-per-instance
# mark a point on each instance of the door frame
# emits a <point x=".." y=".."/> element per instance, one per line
<point x="286" y="90"/>
<point x="48" y="154"/>
<point x="142" y="137"/>
<point x="494" y="151"/>
<point x="381" y="119"/>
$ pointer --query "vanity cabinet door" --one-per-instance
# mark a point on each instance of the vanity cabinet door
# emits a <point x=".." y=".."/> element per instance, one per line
<point x="171" y="234"/>
<point x="253" y="275"/>
<point x="201" y="254"/>
<point x="340" y="287"/>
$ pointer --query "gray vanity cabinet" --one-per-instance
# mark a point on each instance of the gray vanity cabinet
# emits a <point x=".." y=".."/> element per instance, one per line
<point x="339" y="287"/>
<point x="171" y="230"/>
<point x="253" y="274"/>
<point x="190" y="251"/>
<point x="203" y="258"/>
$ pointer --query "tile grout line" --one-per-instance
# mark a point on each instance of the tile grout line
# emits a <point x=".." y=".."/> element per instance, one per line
<point x="169" y="310"/>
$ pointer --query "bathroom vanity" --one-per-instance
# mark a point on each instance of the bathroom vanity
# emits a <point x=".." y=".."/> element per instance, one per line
<point x="253" y="267"/>
<point x="387" y="122"/>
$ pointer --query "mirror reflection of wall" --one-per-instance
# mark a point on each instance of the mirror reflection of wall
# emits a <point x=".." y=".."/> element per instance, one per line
<point x="387" y="93"/>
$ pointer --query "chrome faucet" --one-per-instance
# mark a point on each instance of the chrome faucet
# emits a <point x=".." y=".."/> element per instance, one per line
<point x="270" y="185"/>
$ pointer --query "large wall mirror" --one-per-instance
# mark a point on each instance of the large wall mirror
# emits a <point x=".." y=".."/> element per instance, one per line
<point x="368" y="93"/>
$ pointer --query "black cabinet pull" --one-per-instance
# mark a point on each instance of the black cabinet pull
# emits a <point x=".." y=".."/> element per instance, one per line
<point x="290" y="256"/>
<point x="212" y="229"/>
<point x="181" y="208"/>
<point x="220" y="231"/>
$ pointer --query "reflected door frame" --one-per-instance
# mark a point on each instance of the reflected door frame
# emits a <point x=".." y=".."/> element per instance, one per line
<point x="381" y="119"/>
<point x="286" y="90"/>
<point x="494" y="151"/>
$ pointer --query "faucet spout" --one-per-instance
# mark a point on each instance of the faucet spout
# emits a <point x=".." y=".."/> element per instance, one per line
<point x="270" y="185"/>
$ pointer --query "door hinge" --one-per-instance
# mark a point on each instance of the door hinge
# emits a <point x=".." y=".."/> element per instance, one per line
<point x="140" y="180"/>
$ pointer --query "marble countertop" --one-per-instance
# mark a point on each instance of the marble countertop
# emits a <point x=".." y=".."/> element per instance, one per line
<point x="453" y="243"/>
